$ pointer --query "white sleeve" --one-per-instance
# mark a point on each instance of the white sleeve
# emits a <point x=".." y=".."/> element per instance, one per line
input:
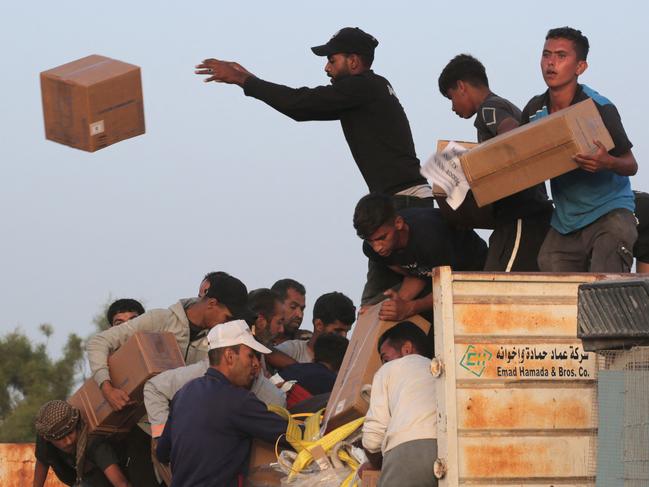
<point x="160" y="390"/>
<point x="268" y="392"/>
<point x="378" y="414"/>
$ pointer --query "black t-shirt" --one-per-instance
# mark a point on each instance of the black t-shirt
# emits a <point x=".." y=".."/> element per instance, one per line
<point x="314" y="377"/>
<point x="432" y="243"/>
<point x="373" y="121"/>
<point x="529" y="202"/>
<point x="99" y="456"/>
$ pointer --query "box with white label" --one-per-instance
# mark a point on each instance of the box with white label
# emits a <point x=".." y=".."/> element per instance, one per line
<point x="92" y="102"/>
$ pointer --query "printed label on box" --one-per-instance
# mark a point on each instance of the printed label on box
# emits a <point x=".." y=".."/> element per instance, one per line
<point x="339" y="407"/>
<point x="97" y="128"/>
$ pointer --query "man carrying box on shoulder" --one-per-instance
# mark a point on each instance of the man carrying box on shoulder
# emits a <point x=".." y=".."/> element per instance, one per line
<point x="522" y="219"/>
<point x="189" y="320"/>
<point x="593" y="228"/>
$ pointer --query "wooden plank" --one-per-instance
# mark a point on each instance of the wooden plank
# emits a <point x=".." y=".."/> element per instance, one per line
<point x="524" y="361"/>
<point x="540" y="289"/>
<point x="526" y="409"/>
<point x="525" y="457"/>
<point x="447" y="448"/>
<point x="524" y="319"/>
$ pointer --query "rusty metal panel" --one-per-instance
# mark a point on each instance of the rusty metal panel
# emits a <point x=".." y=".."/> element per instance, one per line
<point x="545" y="408"/>
<point x="17" y="466"/>
<point x="517" y="402"/>
<point x="549" y="457"/>
<point x="506" y="319"/>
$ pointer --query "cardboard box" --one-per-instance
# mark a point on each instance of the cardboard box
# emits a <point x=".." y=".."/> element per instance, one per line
<point x="261" y="453"/>
<point x="370" y="478"/>
<point x="533" y="153"/>
<point x="362" y="360"/>
<point x="92" y="102"/>
<point x="140" y="358"/>
<point x="468" y="214"/>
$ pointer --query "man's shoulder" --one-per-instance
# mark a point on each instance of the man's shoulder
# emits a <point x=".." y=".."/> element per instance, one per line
<point x="599" y="99"/>
<point x="536" y="103"/>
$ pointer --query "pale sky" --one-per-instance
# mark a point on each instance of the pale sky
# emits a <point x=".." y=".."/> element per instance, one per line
<point x="223" y="182"/>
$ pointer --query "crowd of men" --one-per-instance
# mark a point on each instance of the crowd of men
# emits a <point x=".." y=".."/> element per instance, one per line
<point x="240" y="347"/>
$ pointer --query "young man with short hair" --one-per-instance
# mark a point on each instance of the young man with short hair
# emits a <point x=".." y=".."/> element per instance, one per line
<point x="332" y="313"/>
<point x="214" y="418"/>
<point x="123" y="310"/>
<point x="412" y="242"/>
<point x="522" y="219"/>
<point x="293" y="296"/>
<point x="401" y="424"/>
<point x="189" y="320"/>
<point x="593" y="228"/>
<point x="62" y="444"/>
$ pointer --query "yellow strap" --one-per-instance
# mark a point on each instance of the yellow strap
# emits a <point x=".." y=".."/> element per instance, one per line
<point x="302" y="442"/>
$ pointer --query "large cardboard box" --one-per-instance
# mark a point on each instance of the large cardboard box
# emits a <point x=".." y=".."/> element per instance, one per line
<point x="92" y="102"/>
<point x="533" y="153"/>
<point x="468" y="214"/>
<point x="348" y="401"/>
<point x="144" y="355"/>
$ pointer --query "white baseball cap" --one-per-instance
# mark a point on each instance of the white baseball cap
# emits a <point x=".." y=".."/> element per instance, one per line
<point x="233" y="333"/>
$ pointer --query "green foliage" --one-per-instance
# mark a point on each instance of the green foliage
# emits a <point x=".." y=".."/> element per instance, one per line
<point x="29" y="378"/>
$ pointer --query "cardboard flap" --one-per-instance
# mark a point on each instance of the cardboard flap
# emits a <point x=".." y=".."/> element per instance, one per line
<point x="90" y="70"/>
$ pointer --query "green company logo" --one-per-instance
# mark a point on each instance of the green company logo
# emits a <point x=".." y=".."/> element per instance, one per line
<point x="475" y="361"/>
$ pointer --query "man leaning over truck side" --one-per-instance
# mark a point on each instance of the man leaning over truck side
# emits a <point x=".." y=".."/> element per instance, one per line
<point x="401" y="422"/>
<point x="412" y="242"/>
<point x="593" y="228"/>
<point x="189" y="320"/>
<point x="522" y="219"/>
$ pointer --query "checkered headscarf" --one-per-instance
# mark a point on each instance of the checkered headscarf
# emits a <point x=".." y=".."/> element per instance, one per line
<point x="56" y="419"/>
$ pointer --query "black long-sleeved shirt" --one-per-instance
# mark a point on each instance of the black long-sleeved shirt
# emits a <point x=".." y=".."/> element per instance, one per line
<point x="373" y="121"/>
<point x="208" y="433"/>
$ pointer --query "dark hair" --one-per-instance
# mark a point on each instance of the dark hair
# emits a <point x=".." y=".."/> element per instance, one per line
<point x="407" y="331"/>
<point x="330" y="349"/>
<point x="123" y="306"/>
<point x="334" y="306"/>
<point x="262" y="301"/>
<point x="578" y="39"/>
<point x="216" y="354"/>
<point x="282" y="286"/>
<point x="462" y="67"/>
<point x="366" y="59"/>
<point x="372" y="211"/>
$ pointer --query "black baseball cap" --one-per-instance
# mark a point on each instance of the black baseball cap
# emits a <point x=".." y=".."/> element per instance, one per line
<point x="231" y="292"/>
<point x="348" y="40"/>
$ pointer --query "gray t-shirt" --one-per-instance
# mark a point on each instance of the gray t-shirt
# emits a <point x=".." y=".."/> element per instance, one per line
<point x="297" y="350"/>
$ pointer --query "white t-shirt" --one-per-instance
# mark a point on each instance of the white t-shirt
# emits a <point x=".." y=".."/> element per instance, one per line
<point x="298" y="350"/>
<point x="402" y="404"/>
